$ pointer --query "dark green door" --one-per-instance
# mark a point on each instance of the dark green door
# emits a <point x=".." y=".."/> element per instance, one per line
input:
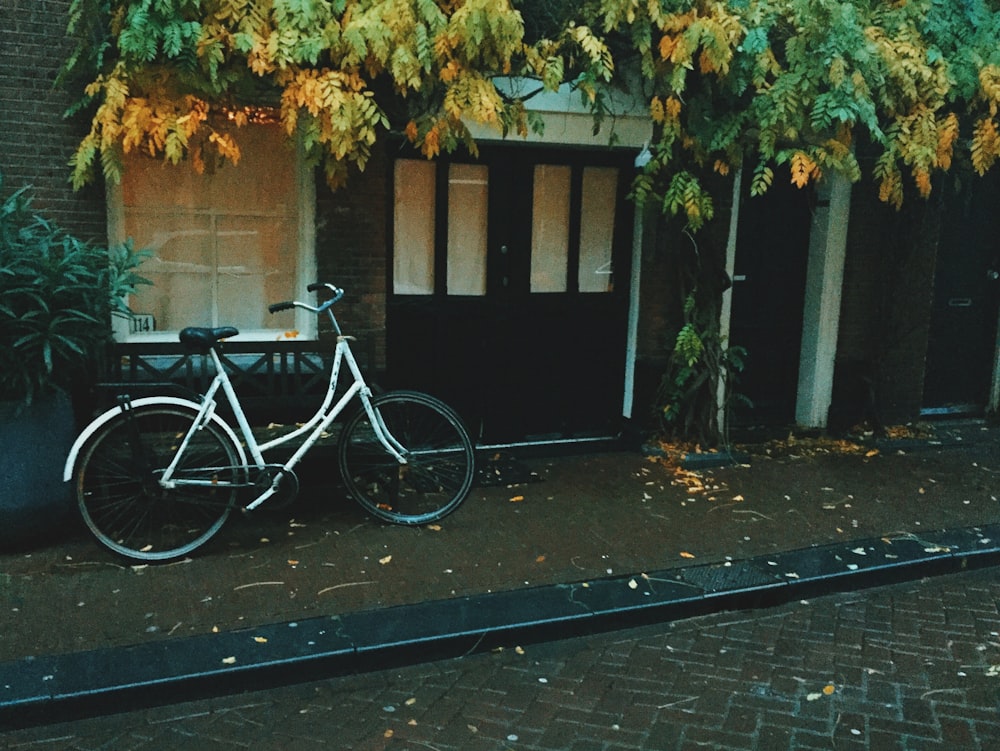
<point x="509" y="290"/>
<point x="962" y="347"/>
<point x="768" y="296"/>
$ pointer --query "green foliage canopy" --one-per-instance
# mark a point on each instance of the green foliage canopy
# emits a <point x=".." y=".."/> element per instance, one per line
<point x="176" y="78"/>
<point x="800" y="82"/>
<point x="729" y="82"/>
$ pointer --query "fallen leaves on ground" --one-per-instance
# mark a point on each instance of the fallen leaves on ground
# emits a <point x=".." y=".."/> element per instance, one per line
<point x="805" y="446"/>
<point x="828" y="690"/>
<point x="694" y="483"/>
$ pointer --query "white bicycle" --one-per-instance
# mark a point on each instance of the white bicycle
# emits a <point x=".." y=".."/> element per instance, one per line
<point x="156" y="477"/>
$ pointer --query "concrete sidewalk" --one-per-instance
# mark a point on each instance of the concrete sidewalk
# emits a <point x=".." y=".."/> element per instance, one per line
<point x="564" y="546"/>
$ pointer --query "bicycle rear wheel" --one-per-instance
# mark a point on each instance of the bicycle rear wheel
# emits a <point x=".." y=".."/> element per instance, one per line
<point x="119" y="495"/>
<point x="440" y="461"/>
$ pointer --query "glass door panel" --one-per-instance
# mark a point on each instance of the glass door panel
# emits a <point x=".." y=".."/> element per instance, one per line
<point x="468" y="200"/>
<point x="413" y="227"/>
<point x="597" y="224"/>
<point x="550" y="228"/>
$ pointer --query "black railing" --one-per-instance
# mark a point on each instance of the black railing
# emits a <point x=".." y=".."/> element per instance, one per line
<point x="278" y="380"/>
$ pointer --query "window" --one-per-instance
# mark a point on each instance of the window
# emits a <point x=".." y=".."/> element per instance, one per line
<point x="550" y="228"/>
<point x="597" y="224"/>
<point x="413" y="219"/>
<point x="414" y="225"/>
<point x="467" y="209"/>
<point x="226" y="243"/>
<point x="444" y="230"/>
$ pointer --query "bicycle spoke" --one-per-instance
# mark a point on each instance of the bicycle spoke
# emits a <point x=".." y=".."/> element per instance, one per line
<point x="439" y="461"/>
<point x="124" y="504"/>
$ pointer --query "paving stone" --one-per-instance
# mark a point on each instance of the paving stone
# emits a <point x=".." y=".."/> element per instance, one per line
<point x="749" y="679"/>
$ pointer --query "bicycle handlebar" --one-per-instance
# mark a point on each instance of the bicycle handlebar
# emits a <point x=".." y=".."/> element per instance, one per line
<point x="335" y="292"/>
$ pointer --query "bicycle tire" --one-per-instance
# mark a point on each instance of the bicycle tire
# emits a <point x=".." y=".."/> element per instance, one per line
<point x="440" y="458"/>
<point x="125" y="507"/>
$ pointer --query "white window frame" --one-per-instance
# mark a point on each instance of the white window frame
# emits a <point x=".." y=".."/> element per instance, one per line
<point x="306" y="324"/>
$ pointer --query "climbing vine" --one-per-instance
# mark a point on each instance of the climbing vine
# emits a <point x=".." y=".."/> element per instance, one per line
<point x="765" y="82"/>
<point x="779" y="89"/>
<point x="177" y="78"/>
<point x="797" y="83"/>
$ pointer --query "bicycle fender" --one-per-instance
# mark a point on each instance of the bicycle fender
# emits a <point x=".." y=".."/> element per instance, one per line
<point x="112" y="413"/>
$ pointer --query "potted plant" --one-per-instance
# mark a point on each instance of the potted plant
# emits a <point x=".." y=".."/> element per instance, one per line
<point x="57" y="296"/>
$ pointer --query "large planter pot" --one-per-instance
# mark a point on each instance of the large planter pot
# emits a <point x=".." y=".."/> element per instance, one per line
<point x="35" y="503"/>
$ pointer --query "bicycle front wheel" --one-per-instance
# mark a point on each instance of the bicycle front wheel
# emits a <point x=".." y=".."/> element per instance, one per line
<point x="440" y="461"/>
<point x="118" y="489"/>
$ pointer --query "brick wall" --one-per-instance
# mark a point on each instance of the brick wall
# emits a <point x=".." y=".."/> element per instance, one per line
<point x="36" y="141"/>
<point x="352" y="250"/>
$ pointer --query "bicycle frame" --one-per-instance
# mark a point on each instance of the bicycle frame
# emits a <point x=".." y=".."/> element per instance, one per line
<point x="313" y="429"/>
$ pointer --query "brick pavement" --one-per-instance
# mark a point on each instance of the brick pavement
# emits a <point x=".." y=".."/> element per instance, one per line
<point x="912" y="667"/>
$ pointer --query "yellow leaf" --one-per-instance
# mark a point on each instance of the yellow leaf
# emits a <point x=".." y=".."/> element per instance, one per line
<point x="923" y="180"/>
<point x="672" y="108"/>
<point x="385" y="560"/>
<point x="517" y="499"/>
<point x="540" y="559"/>
<point x="685" y="554"/>
<point x="228" y="660"/>
<point x="803" y="169"/>
<point x="260" y="639"/>
<point x="667" y="45"/>
<point x="829" y="689"/>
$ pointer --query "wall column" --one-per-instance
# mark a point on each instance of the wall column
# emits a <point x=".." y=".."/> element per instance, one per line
<point x="821" y="318"/>
<point x="726" y="309"/>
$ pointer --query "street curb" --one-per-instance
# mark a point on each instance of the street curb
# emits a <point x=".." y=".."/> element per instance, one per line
<point x="57" y="688"/>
